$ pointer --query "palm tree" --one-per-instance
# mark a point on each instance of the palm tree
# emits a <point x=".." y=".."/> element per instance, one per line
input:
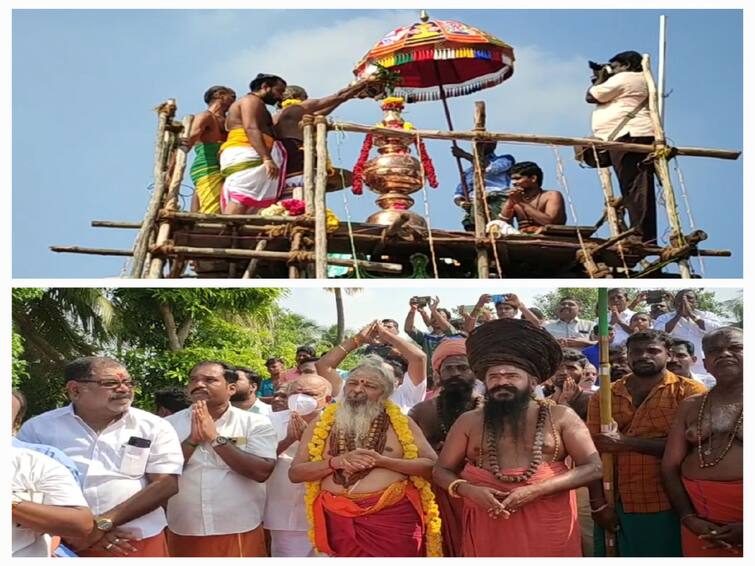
<point x="340" y="319"/>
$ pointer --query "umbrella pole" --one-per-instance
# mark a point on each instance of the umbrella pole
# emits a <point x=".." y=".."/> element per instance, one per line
<point x="464" y="187"/>
<point x="606" y="418"/>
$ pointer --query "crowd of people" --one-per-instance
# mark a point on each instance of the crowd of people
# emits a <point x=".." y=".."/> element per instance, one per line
<point x="480" y="437"/>
<point x="248" y="159"/>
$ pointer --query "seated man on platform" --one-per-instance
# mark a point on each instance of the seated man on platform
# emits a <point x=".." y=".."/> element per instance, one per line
<point x="506" y="459"/>
<point x="528" y="203"/>
<point x="207" y="133"/>
<point x="252" y="162"/>
<point x="497" y="180"/>
<point x="367" y="466"/>
<point x="294" y="106"/>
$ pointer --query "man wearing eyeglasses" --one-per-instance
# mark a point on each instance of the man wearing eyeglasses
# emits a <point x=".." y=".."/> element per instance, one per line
<point x="129" y="459"/>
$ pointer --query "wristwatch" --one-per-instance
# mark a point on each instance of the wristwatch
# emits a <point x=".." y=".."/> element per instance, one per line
<point x="104" y="524"/>
<point x="220" y="441"/>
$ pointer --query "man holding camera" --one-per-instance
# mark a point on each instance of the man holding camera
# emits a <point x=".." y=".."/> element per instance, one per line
<point x="620" y="94"/>
<point x="506" y="306"/>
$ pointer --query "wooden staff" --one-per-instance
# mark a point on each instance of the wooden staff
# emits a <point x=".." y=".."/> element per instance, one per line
<point x="606" y="418"/>
<point x="165" y="112"/>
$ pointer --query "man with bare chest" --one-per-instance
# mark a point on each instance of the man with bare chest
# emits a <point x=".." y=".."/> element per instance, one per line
<point x="702" y="466"/>
<point x="436" y="416"/>
<point x="207" y="133"/>
<point x="643" y="405"/>
<point x="252" y="162"/>
<point x="506" y="460"/>
<point x="528" y="203"/>
<point x="294" y="106"/>
<point x="367" y="467"/>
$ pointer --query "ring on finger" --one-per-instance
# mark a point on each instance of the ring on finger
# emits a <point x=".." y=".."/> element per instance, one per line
<point x="109" y="546"/>
<point x="116" y="540"/>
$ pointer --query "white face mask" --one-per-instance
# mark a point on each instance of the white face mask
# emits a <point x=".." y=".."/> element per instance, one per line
<point x="302" y="404"/>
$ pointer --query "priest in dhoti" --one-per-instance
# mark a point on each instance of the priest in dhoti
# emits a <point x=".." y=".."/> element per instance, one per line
<point x="252" y="161"/>
<point x="506" y="459"/>
<point x="367" y="468"/>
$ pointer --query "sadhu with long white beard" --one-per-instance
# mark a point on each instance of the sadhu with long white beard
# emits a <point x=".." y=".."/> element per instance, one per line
<point x="367" y="468"/>
<point x="506" y="460"/>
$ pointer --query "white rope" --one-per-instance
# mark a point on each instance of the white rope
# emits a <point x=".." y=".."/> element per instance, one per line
<point x="427" y="210"/>
<point x="687" y="208"/>
<point x="562" y="181"/>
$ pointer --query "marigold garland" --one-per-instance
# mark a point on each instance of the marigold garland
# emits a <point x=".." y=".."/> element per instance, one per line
<point x="290" y="102"/>
<point x="392" y="103"/>
<point x="400" y="423"/>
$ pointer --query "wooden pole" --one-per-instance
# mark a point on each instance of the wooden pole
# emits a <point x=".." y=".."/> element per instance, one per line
<point x="293" y="268"/>
<point x="606" y="417"/>
<point x="531" y="138"/>
<point x="661" y="168"/>
<point x="309" y="163"/>
<point x="304" y="257"/>
<point x="612" y="215"/>
<point x="252" y="267"/>
<point x="321" y="181"/>
<point x="483" y="261"/>
<point x="165" y="112"/>
<point x="171" y="200"/>
<point x="229" y="219"/>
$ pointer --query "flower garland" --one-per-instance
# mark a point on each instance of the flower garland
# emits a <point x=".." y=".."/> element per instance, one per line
<point x="392" y="103"/>
<point x="290" y="102"/>
<point x="357" y="179"/>
<point x="427" y="164"/>
<point x="400" y="423"/>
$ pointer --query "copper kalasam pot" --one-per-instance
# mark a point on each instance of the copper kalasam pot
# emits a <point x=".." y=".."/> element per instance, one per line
<point x="393" y="172"/>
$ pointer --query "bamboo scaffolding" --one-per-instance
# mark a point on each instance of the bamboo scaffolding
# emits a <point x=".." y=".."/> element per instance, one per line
<point x="165" y="112"/>
<point x="171" y="200"/>
<point x="309" y="163"/>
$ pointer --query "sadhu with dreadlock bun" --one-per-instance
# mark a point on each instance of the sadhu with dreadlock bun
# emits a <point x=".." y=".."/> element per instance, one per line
<point x="506" y="459"/>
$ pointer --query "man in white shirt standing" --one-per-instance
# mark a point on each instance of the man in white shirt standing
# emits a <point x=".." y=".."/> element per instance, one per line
<point x="285" y="513"/>
<point x="129" y="459"/>
<point x="229" y="454"/>
<point x="408" y="391"/>
<point x="569" y="330"/>
<point x="619" y="93"/>
<point x="621" y="316"/>
<point x="682" y="358"/>
<point x="689" y="323"/>
<point x="245" y="398"/>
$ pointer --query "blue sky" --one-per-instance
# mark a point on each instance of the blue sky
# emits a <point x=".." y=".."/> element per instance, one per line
<point x="85" y="83"/>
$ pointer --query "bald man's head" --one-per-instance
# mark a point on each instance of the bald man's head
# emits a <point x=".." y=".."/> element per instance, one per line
<point x="313" y="385"/>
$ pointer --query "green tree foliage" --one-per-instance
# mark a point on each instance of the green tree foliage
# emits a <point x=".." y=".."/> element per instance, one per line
<point x="588" y="299"/>
<point x="158" y="333"/>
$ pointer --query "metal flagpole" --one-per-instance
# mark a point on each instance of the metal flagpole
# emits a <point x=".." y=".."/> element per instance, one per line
<point x="606" y="418"/>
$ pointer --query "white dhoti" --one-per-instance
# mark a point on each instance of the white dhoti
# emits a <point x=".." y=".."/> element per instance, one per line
<point x="290" y="543"/>
<point x="246" y="180"/>
<point x="500" y="228"/>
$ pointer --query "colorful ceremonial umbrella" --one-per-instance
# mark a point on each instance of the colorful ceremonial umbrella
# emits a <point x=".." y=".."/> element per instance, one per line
<point x="606" y="417"/>
<point x="437" y="59"/>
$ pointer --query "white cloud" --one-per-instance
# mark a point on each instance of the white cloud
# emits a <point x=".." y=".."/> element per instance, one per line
<point x="320" y="58"/>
